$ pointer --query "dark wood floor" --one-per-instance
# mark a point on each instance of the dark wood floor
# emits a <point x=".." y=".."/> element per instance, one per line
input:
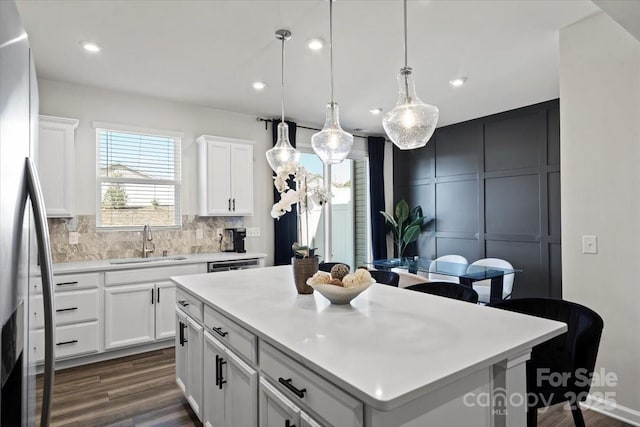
<point x="141" y="391"/>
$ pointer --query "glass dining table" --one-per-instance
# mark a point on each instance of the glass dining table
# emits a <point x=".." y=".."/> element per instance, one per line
<point x="465" y="272"/>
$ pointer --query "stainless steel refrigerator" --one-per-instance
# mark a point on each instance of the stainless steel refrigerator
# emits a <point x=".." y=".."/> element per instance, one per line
<point x="24" y="237"/>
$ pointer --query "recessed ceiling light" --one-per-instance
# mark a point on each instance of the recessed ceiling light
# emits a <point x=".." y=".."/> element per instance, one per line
<point x="458" y="81"/>
<point x="259" y="85"/>
<point x="375" y="111"/>
<point x="315" y="44"/>
<point x="91" y="46"/>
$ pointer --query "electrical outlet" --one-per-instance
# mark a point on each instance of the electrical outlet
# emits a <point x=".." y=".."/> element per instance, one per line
<point x="219" y="231"/>
<point x="199" y="234"/>
<point x="73" y="237"/>
<point x="253" y="232"/>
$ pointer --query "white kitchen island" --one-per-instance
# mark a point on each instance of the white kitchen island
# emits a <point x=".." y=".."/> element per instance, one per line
<point x="251" y="351"/>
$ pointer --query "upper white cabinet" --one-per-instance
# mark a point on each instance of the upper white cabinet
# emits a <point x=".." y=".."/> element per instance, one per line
<point x="56" y="164"/>
<point x="225" y="176"/>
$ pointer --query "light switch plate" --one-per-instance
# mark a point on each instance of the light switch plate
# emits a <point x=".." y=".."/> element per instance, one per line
<point x="199" y="234"/>
<point x="589" y="245"/>
<point x="253" y="232"/>
<point x="73" y="237"/>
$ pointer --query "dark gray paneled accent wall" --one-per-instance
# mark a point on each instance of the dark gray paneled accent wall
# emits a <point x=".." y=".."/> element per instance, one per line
<point x="492" y="186"/>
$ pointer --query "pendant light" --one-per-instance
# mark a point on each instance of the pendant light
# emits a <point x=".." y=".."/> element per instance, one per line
<point x="412" y="122"/>
<point x="282" y="152"/>
<point x="332" y="144"/>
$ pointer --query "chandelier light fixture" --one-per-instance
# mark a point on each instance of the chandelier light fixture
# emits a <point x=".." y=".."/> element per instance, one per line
<point x="282" y="152"/>
<point x="412" y="122"/>
<point x="332" y="144"/>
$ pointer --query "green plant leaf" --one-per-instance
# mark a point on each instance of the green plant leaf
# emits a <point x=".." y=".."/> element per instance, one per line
<point x="402" y="212"/>
<point x="417" y="213"/>
<point x="389" y="219"/>
<point x="411" y="234"/>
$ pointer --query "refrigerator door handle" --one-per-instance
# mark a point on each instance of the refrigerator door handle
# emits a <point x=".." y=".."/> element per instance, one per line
<point x="44" y="254"/>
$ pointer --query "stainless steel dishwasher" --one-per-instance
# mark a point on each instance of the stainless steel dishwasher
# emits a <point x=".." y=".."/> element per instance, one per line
<point x="241" y="264"/>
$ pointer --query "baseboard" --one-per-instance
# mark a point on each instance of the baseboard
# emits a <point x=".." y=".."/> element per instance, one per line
<point x="107" y="355"/>
<point x="612" y="409"/>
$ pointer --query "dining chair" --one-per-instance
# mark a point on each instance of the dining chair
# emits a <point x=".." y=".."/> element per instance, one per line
<point x="327" y="266"/>
<point x="406" y="278"/>
<point x="435" y="277"/>
<point x="447" y="290"/>
<point x="483" y="287"/>
<point x="570" y="356"/>
<point x="385" y="277"/>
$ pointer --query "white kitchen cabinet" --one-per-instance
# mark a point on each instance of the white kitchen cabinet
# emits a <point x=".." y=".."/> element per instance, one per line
<point x="195" y="336"/>
<point x="182" y="361"/>
<point x="225" y="176"/>
<point x="277" y="411"/>
<point x="230" y="387"/>
<point x="165" y="309"/>
<point x="56" y="165"/>
<point x="129" y="314"/>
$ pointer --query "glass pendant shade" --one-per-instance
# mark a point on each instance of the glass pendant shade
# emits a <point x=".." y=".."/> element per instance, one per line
<point x="332" y="144"/>
<point x="282" y="152"/>
<point x="412" y="122"/>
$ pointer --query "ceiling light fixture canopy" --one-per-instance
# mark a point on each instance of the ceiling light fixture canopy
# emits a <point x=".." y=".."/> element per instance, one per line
<point x="282" y="152"/>
<point x="412" y="122"/>
<point x="332" y="144"/>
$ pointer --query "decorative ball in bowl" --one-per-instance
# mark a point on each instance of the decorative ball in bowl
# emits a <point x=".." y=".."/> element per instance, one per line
<point x="341" y="291"/>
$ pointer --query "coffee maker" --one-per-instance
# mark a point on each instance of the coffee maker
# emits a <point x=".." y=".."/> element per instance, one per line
<point x="234" y="239"/>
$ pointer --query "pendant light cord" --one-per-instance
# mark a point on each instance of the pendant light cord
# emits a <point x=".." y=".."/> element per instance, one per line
<point x="331" y="43"/>
<point x="405" y="34"/>
<point x="282" y="80"/>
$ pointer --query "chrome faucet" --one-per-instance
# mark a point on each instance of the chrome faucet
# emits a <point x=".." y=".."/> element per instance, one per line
<point x="146" y="239"/>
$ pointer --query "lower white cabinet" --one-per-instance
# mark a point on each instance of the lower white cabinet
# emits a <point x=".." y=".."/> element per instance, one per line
<point x="230" y="387"/>
<point x="129" y="314"/>
<point x="189" y="341"/>
<point x="71" y="340"/>
<point x="278" y="411"/>
<point x="138" y="314"/>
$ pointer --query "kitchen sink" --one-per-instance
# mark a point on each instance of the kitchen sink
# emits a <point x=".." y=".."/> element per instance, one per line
<point x="145" y="260"/>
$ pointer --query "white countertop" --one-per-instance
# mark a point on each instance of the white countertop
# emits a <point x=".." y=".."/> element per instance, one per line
<point x="387" y="347"/>
<point x="105" y="264"/>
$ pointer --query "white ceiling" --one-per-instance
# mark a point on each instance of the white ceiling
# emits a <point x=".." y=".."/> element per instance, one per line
<point x="209" y="52"/>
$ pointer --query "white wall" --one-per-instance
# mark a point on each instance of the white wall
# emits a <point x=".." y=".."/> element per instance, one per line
<point x="600" y="167"/>
<point x="88" y="104"/>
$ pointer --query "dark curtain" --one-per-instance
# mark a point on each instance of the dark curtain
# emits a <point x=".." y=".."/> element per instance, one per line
<point x="285" y="228"/>
<point x="376" y="189"/>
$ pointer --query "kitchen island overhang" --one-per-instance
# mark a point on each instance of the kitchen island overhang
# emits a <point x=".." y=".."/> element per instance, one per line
<point x="389" y="348"/>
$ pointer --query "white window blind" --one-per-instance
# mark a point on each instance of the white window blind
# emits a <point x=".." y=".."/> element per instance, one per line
<point x="138" y="179"/>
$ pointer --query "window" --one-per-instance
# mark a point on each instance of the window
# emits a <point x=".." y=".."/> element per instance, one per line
<point x="138" y="179"/>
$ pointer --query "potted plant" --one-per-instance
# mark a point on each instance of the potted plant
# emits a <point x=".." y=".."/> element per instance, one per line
<point x="405" y="225"/>
<point x="304" y="261"/>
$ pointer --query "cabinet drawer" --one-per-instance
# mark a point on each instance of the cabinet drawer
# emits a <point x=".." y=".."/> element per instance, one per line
<point x="232" y="334"/>
<point x="68" y="282"/>
<point x="71" y="340"/>
<point x="71" y="307"/>
<point x="332" y="404"/>
<point x="153" y="274"/>
<point x="189" y="304"/>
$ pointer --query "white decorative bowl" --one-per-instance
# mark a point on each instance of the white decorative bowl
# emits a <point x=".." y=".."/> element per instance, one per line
<point x="338" y="294"/>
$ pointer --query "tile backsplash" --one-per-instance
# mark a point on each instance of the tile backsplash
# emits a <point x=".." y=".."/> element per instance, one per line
<point x="96" y="244"/>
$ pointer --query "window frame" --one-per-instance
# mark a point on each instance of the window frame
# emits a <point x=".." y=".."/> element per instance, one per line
<point x="177" y="182"/>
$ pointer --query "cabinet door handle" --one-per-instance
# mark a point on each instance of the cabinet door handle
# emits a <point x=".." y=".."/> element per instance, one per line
<point x="287" y="423"/>
<point x="60" y="310"/>
<point x="66" y="283"/>
<point x="217" y="369"/>
<point x="67" y="342"/>
<point x="219" y="331"/>
<point x="153" y="297"/>
<point x="229" y="203"/>
<point x="234" y="204"/>
<point x="183" y="303"/>
<point x="182" y="338"/>
<point x="158" y="296"/>
<point x="220" y="380"/>
<point x="297" y="391"/>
